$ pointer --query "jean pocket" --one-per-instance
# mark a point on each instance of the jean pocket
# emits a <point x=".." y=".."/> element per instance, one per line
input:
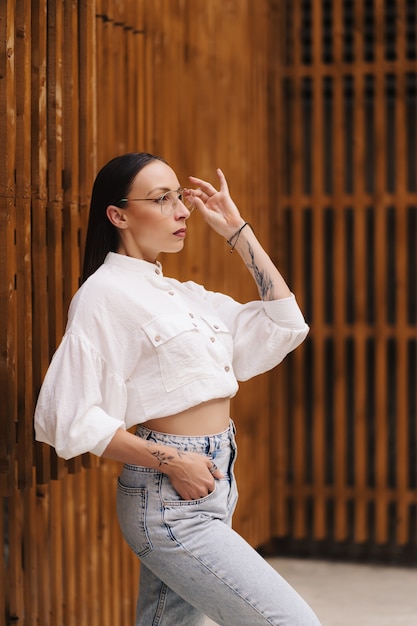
<point x="131" y="506"/>
<point x="180" y="515"/>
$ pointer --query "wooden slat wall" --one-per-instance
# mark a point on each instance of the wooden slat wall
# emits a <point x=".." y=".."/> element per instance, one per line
<point x="48" y="132"/>
<point x="346" y="457"/>
<point x="81" y="82"/>
<point x="319" y="151"/>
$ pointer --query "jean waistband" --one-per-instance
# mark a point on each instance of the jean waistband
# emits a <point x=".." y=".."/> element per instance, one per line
<point x="205" y="444"/>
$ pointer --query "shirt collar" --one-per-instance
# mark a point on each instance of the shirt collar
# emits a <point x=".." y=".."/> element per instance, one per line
<point x="144" y="268"/>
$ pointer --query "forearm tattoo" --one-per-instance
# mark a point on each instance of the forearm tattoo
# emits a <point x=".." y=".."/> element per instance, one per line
<point x="162" y="456"/>
<point x="262" y="278"/>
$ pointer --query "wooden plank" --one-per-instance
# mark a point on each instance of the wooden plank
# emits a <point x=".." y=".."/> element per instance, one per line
<point x="23" y="244"/>
<point x="57" y="522"/>
<point x="70" y="547"/>
<point x="94" y="597"/>
<point x="15" y="573"/>
<point x="4" y="581"/>
<point x="43" y="579"/>
<point x="7" y="251"/>
<point x="41" y="348"/>
<point x="55" y="130"/>
<point x="360" y="435"/>
<point x="339" y="289"/>
<point x="298" y="435"/>
<point x="104" y="541"/>
<point x="88" y="113"/>
<point x="54" y="221"/>
<point x="381" y="374"/>
<point x="81" y="524"/>
<point x="276" y="188"/>
<point x="403" y="413"/>
<point x="320" y="449"/>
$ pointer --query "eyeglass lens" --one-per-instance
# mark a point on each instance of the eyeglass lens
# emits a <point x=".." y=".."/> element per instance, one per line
<point x="169" y="201"/>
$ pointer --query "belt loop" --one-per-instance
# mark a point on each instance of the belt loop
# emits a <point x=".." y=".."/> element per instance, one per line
<point x="210" y="445"/>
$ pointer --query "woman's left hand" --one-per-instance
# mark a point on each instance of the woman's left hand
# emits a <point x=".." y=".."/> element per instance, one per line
<point x="216" y="207"/>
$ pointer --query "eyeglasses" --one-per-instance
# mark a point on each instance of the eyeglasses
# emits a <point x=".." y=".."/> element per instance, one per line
<point x="168" y="201"/>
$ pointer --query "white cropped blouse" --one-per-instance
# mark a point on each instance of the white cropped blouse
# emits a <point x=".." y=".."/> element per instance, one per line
<point x="140" y="346"/>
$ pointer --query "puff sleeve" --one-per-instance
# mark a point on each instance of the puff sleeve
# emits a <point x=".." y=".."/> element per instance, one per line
<point x="70" y="414"/>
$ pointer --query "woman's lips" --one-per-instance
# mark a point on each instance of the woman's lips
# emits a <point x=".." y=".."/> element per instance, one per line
<point x="181" y="232"/>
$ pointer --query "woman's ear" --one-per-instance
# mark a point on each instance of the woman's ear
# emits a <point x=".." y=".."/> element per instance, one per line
<point x="116" y="216"/>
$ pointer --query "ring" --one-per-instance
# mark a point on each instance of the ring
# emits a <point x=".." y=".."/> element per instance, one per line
<point x="213" y="467"/>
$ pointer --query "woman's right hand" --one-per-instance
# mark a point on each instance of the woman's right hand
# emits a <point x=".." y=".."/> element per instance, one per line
<point x="191" y="474"/>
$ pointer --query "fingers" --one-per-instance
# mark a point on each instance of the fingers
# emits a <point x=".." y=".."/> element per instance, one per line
<point x="214" y="471"/>
<point x="224" y="187"/>
<point x="207" y="187"/>
<point x="213" y="467"/>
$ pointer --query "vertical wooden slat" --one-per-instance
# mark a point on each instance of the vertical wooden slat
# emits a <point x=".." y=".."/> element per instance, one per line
<point x="381" y="382"/>
<point x="8" y="334"/>
<point x="88" y="111"/>
<point x="55" y="96"/>
<point x="30" y="550"/>
<point x="57" y="523"/>
<point x="93" y="600"/>
<point x="43" y="580"/>
<point x="15" y="574"/>
<point x="104" y="542"/>
<point x="339" y="289"/>
<point x="23" y="245"/>
<point x="320" y="449"/>
<point x="41" y="352"/>
<point x="70" y="549"/>
<point x="277" y="185"/>
<point x="4" y="582"/>
<point x="298" y="432"/>
<point x="402" y="460"/>
<point x="54" y="222"/>
<point x="360" y="259"/>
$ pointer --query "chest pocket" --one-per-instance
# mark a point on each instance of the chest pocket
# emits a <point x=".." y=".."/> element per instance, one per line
<point x="182" y="347"/>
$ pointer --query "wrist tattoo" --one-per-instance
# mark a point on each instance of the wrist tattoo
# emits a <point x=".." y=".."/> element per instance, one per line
<point x="262" y="278"/>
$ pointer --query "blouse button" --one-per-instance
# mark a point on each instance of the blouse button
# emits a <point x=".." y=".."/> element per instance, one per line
<point x="157" y="337"/>
<point x="191" y="314"/>
<point x="157" y="271"/>
<point x="216" y="327"/>
<point x="227" y="368"/>
<point x="212" y="339"/>
<point x="171" y="293"/>
<point x="195" y="325"/>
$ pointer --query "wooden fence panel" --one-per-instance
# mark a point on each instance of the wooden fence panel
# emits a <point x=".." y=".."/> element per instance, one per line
<point x="346" y="76"/>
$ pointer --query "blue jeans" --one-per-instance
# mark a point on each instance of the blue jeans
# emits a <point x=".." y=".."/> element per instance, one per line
<point x="192" y="563"/>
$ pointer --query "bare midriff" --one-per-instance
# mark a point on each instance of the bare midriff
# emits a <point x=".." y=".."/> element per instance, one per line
<point x="207" y="418"/>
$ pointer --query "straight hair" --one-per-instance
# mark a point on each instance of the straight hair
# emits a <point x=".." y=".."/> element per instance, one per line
<point x="112" y="183"/>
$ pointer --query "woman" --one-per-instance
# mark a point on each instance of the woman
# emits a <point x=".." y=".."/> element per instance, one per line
<point x="148" y="351"/>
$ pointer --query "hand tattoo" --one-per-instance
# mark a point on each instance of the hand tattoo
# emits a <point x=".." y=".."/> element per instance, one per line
<point x="162" y="456"/>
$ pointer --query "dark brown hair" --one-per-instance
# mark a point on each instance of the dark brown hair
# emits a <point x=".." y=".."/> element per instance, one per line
<point x="112" y="183"/>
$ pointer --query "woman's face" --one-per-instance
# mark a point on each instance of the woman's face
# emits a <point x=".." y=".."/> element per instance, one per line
<point x="144" y="231"/>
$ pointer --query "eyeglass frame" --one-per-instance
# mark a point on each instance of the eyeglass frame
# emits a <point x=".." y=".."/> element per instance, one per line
<point x="179" y="191"/>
